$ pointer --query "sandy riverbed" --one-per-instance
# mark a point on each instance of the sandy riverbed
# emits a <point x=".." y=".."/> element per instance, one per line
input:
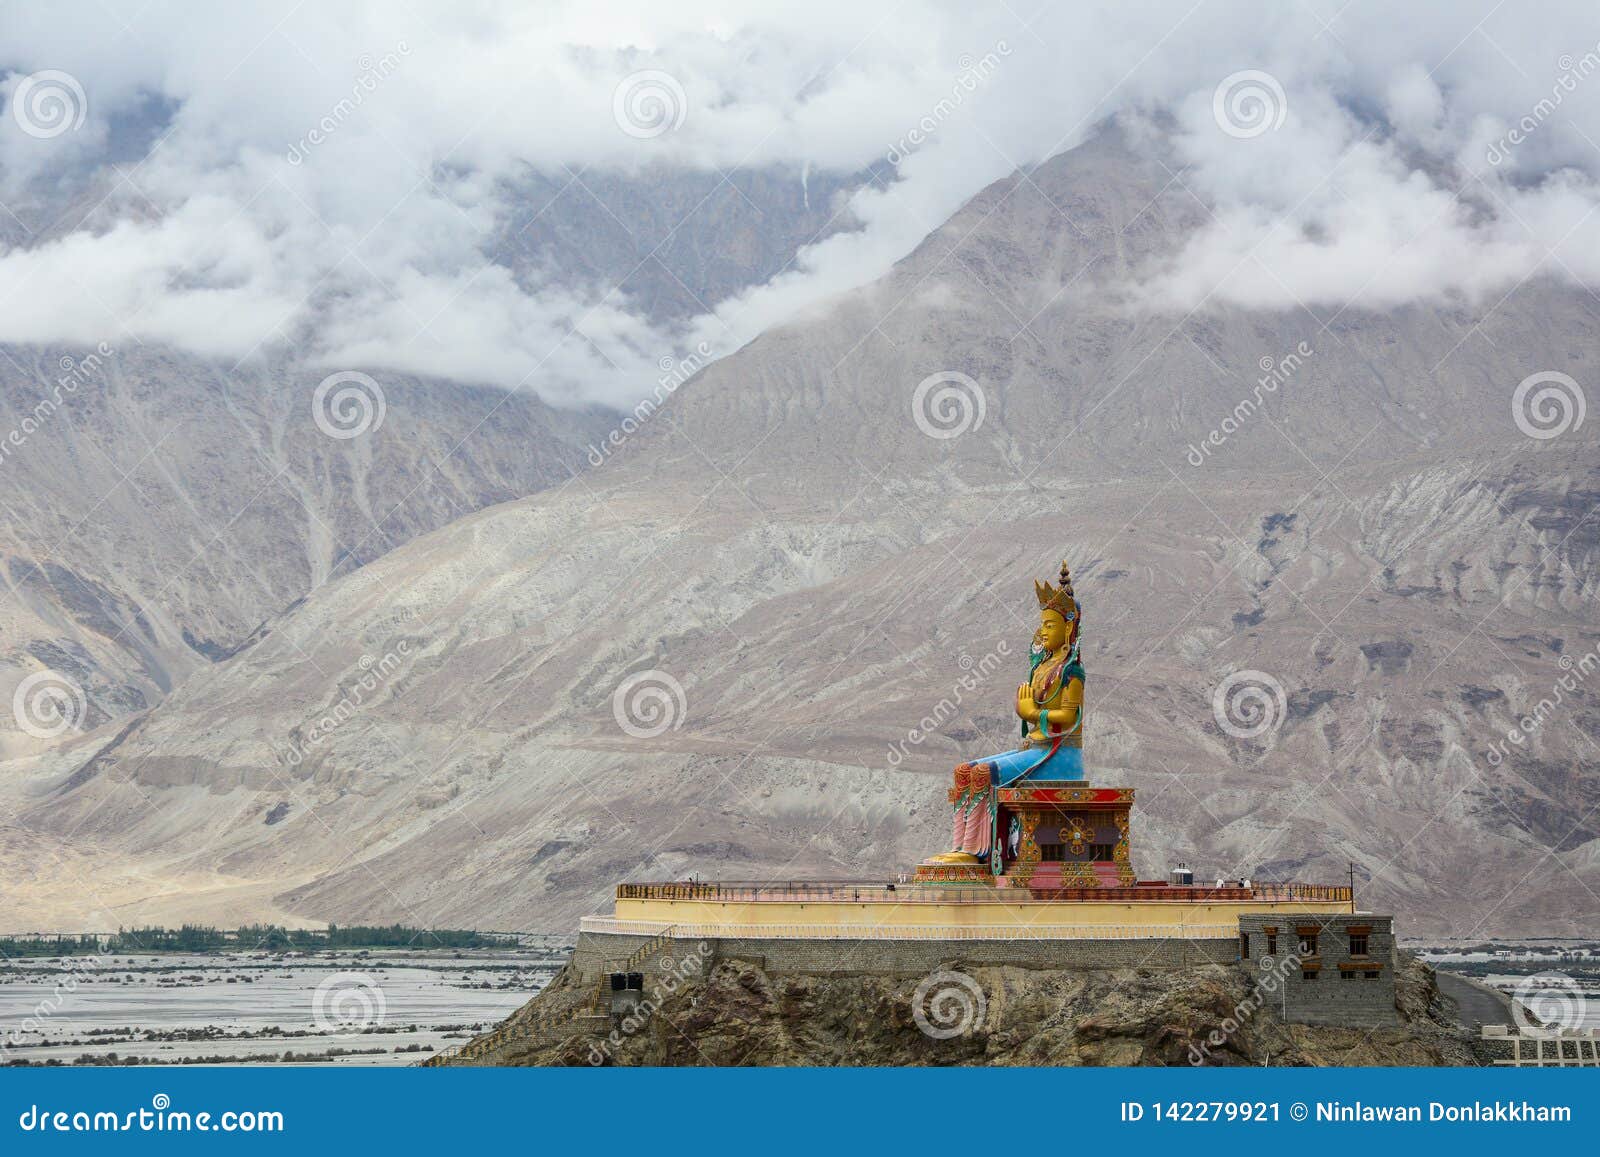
<point x="383" y="1007"/>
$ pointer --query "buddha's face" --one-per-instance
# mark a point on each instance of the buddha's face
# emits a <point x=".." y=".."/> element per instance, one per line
<point x="1054" y="631"/>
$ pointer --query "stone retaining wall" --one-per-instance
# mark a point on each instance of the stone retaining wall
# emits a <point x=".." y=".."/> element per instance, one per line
<point x="598" y="953"/>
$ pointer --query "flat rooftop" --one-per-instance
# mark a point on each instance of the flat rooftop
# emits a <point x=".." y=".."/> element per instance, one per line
<point x="878" y="892"/>
<point x="836" y="909"/>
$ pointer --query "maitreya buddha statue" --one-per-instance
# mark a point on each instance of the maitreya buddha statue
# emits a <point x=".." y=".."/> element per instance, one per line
<point x="1050" y="706"/>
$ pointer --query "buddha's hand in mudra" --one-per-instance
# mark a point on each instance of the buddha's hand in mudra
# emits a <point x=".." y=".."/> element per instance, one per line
<point x="1025" y="705"/>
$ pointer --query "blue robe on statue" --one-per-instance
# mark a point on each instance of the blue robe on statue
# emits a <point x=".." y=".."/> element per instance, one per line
<point x="1063" y="759"/>
<point x="1034" y="763"/>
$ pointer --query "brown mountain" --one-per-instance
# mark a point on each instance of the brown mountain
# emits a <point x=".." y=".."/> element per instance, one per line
<point x="159" y="506"/>
<point x="435" y="737"/>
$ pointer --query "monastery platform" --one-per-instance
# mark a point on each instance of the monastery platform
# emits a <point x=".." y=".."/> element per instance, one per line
<point x="844" y="910"/>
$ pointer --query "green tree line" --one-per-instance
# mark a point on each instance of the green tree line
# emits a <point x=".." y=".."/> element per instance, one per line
<point x="268" y="937"/>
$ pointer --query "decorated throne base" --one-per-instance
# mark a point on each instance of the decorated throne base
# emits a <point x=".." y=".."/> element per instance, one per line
<point x="1048" y="834"/>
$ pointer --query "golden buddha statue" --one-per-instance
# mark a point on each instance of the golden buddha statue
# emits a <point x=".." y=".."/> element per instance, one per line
<point x="1050" y="706"/>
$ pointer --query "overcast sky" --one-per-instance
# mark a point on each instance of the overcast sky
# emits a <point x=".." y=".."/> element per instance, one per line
<point x="1457" y="141"/>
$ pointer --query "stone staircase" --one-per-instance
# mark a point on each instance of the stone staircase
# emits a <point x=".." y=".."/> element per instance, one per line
<point x="541" y="1022"/>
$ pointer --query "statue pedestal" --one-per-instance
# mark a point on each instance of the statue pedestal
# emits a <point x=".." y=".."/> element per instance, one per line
<point x="1050" y="835"/>
<point x="979" y="875"/>
<point x="1063" y="834"/>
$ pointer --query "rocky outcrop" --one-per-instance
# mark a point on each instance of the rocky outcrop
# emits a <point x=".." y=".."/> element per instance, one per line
<point x="739" y="1013"/>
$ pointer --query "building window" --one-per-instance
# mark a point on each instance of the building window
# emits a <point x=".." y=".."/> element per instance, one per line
<point x="1347" y="975"/>
<point x="1373" y="975"/>
<point x="1272" y="943"/>
<point x="1308" y="974"/>
<point x="1053" y="853"/>
<point x="1244" y="945"/>
<point x="1358" y="944"/>
<point x="1308" y="944"/>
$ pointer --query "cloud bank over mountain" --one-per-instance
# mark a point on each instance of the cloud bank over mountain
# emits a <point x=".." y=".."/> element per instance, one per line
<point x="333" y="181"/>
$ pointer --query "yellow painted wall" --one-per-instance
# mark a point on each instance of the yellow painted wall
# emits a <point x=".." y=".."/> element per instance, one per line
<point x="1017" y="914"/>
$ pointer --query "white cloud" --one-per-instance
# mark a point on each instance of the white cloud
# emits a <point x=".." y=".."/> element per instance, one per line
<point x="237" y="234"/>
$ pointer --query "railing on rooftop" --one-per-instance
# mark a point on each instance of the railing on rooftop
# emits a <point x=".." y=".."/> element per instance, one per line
<point x="713" y="931"/>
<point x="812" y="891"/>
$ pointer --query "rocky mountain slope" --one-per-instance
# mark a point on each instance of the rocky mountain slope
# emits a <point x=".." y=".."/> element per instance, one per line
<point x="672" y="242"/>
<point x="159" y="509"/>
<point x="739" y="1014"/>
<point x="160" y="506"/>
<point x="824" y="575"/>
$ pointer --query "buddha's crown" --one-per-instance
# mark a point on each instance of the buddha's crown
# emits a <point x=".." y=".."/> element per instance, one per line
<point x="1059" y="599"/>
